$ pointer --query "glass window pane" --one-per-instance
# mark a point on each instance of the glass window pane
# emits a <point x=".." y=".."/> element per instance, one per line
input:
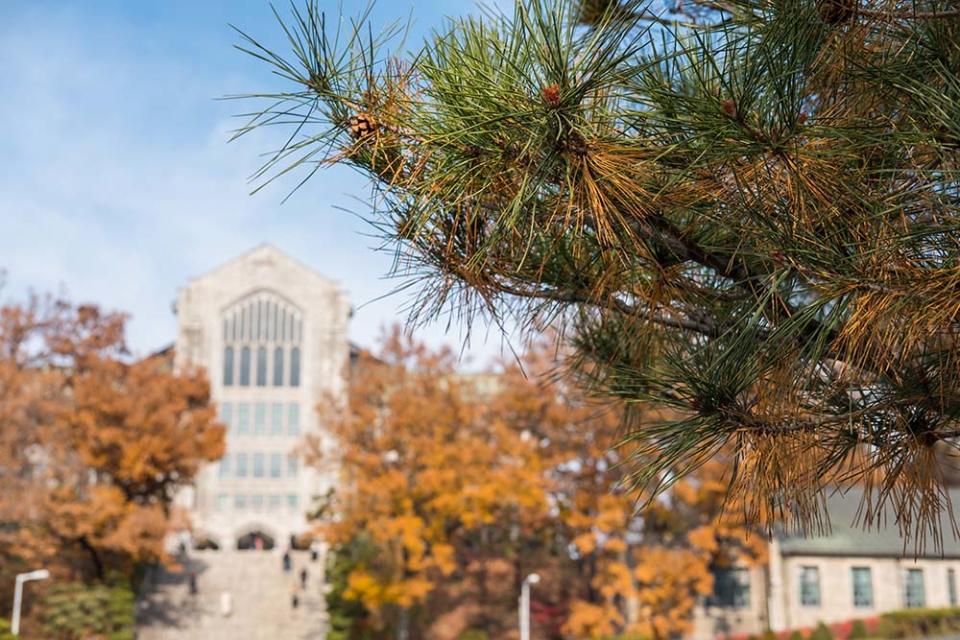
<point x="275" y="500"/>
<point x="258" y="465"/>
<point x="222" y="501"/>
<point x="259" y="418"/>
<point x="293" y="500"/>
<point x="256" y="501"/>
<point x="862" y="587"/>
<point x="239" y="501"/>
<point x="241" y="462"/>
<point x="262" y="367"/>
<point x="245" y="367"/>
<point x="226" y="415"/>
<point x="276" y="465"/>
<point x="227" y="366"/>
<point x="224" y="470"/>
<point x="915" y="593"/>
<point x="810" y="586"/>
<point x="295" y="367"/>
<point x="243" y="418"/>
<point x="293" y="419"/>
<point x="276" y="419"/>
<point x="731" y="588"/>
<point x="292" y="466"/>
<point x="278" y="367"/>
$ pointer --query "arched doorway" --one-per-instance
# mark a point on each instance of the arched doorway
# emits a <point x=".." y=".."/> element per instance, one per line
<point x="255" y="540"/>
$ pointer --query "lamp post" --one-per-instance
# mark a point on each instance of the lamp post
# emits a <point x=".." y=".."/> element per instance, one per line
<point x="531" y="579"/>
<point x="41" y="574"/>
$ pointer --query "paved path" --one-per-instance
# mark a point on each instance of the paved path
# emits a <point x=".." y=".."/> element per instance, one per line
<point x="261" y="593"/>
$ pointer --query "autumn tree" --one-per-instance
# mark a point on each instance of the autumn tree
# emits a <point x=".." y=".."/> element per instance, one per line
<point x="93" y="444"/>
<point x="742" y="209"/>
<point x="455" y="486"/>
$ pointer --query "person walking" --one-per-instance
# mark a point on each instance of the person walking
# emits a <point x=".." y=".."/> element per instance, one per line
<point x="294" y="598"/>
<point x="192" y="580"/>
<point x="226" y="604"/>
<point x="303" y="578"/>
<point x="287" y="564"/>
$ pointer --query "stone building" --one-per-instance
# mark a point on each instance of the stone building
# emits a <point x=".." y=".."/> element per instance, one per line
<point x="272" y="336"/>
<point x="848" y="574"/>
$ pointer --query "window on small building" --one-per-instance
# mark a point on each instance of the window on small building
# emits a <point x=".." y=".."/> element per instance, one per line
<point x="295" y="367"/>
<point x="240" y="501"/>
<point x="292" y="466"/>
<point x="245" y="367"/>
<point x="862" y="586"/>
<point x="952" y="587"/>
<point x="241" y="461"/>
<point x="278" y="367"/>
<point x="274" y="501"/>
<point x="256" y="501"/>
<point x="223" y="501"/>
<point x="258" y="465"/>
<point x="293" y="500"/>
<point x="731" y="588"/>
<point x="276" y="465"/>
<point x="261" y="366"/>
<point x="810" y="586"/>
<point x="914" y="592"/>
<point x="228" y="366"/>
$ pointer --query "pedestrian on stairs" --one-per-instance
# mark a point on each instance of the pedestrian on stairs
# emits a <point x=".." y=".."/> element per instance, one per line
<point x="226" y="604"/>
<point x="303" y="578"/>
<point x="287" y="564"/>
<point x="193" y="583"/>
<point x="294" y="598"/>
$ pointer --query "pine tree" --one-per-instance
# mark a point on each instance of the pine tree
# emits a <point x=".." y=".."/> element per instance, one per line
<point x="744" y="210"/>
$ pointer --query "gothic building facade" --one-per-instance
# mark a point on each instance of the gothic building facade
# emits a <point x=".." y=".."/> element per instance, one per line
<point x="272" y="335"/>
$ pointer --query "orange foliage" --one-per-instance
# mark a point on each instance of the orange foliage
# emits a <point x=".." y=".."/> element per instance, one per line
<point x="93" y="446"/>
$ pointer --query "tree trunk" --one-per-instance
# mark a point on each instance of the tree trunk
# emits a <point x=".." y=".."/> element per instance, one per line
<point x="94" y="557"/>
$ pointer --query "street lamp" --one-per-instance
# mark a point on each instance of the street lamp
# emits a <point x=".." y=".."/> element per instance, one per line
<point x="41" y="574"/>
<point x="531" y="579"/>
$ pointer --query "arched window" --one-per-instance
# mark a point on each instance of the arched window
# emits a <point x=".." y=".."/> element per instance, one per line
<point x="278" y="367"/>
<point x="228" y="366"/>
<point x="261" y="366"/>
<point x="245" y="367"/>
<point x="295" y="367"/>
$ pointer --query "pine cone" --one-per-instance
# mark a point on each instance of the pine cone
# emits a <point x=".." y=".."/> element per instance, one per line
<point x="836" y="11"/>
<point x="362" y="125"/>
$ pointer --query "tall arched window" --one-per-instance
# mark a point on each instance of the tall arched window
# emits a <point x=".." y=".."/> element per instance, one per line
<point x="278" y="367"/>
<point x="261" y="366"/>
<point x="245" y="367"/>
<point x="263" y="337"/>
<point x="228" y="366"/>
<point x="295" y="367"/>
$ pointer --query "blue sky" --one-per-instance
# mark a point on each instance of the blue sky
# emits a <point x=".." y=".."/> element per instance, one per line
<point x="118" y="183"/>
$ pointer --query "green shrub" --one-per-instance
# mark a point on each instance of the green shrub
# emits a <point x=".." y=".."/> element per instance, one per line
<point x="911" y="623"/>
<point x="76" y="611"/>
<point x="768" y="635"/>
<point x="473" y="634"/>
<point x="796" y="635"/>
<point x="822" y="632"/>
<point x="5" y="630"/>
<point x="858" y="631"/>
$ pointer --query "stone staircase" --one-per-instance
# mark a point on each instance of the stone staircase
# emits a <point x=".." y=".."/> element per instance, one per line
<point x="261" y="592"/>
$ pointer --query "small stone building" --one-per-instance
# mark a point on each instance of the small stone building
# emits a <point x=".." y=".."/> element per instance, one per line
<point x="847" y="574"/>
